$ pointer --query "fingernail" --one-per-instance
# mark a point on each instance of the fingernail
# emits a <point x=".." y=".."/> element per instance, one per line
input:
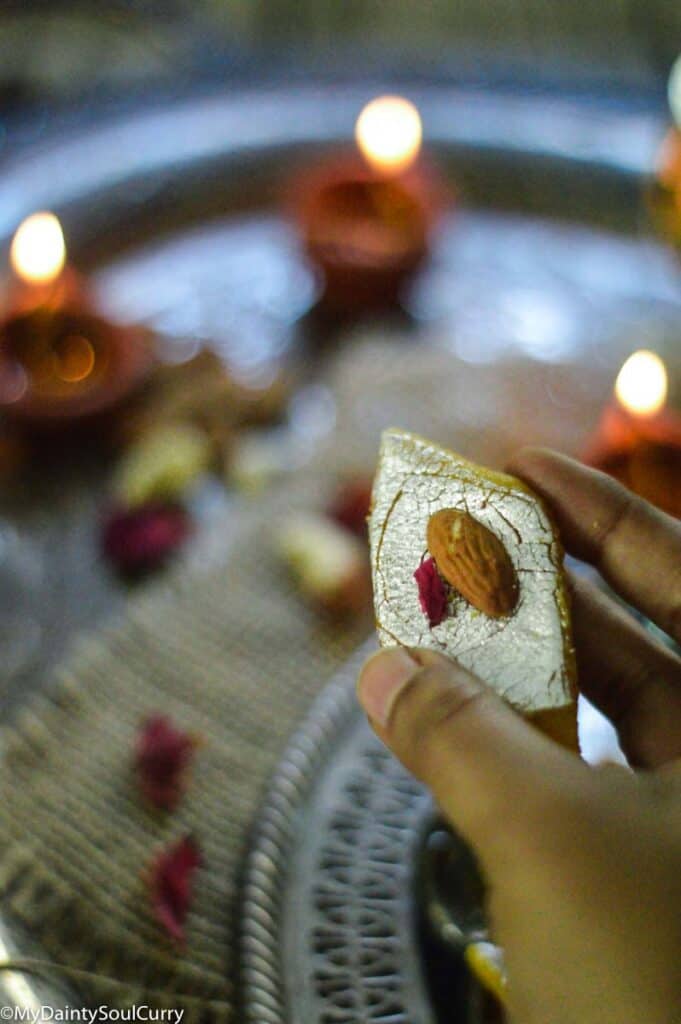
<point x="381" y="679"/>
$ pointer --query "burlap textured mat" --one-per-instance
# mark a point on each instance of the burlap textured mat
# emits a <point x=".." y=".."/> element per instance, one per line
<point x="231" y="653"/>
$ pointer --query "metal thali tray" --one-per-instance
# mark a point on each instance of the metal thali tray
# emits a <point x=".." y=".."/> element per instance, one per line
<point x="331" y="915"/>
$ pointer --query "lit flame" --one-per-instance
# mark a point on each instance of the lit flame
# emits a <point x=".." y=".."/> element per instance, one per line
<point x="641" y="385"/>
<point x="38" y="250"/>
<point x="388" y="132"/>
<point x="674" y="91"/>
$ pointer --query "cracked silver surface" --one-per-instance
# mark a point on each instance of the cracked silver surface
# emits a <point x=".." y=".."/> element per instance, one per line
<point x="525" y="656"/>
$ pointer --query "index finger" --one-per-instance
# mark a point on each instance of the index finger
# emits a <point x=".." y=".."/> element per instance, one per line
<point x="635" y="547"/>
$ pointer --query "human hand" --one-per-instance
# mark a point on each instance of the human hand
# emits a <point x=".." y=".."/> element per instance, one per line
<point x="583" y="865"/>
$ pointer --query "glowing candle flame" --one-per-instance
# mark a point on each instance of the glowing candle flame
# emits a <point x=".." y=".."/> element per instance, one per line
<point x="388" y="132"/>
<point x="641" y="385"/>
<point x="38" y="251"/>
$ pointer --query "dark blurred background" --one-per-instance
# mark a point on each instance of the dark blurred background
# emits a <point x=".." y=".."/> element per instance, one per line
<point x="65" y="59"/>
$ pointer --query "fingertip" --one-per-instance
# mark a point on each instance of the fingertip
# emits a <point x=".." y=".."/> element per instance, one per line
<point x="555" y="474"/>
<point x="533" y="461"/>
<point x="381" y="678"/>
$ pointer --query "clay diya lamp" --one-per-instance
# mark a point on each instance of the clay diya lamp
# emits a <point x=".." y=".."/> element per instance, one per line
<point x="638" y="440"/>
<point x="366" y="216"/>
<point x="60" y="361"/>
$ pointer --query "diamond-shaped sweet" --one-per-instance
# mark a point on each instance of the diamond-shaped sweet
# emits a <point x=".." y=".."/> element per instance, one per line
<point x="527" y="655"/>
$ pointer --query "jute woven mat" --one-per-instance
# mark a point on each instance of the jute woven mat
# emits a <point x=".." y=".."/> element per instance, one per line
<point x="230" y="652"/>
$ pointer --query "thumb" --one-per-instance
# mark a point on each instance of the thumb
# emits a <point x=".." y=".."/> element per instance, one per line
<point x="494" y="775"/>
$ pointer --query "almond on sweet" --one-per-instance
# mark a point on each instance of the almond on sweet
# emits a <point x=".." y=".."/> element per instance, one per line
<point x="473" y="559"/>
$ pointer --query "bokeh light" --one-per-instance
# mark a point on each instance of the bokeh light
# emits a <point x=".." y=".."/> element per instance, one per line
<point x="641" y="385"/>
<point x="38" y="250"/>
<point x="388" y="132"/>
<point x="674" y="90"/>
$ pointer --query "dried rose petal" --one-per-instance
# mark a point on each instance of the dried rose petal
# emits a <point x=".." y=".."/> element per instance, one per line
<point x="432" y="592"/>
<point x="161" y="755"/>
<point x="139" y="539"/>
<point x="171" y="884"/>
<point x="350" y="507"/>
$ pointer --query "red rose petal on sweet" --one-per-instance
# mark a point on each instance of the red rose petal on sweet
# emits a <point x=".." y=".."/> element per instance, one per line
<point x="172" y="876"/>
<point x="432" y="592"/>
<point x="161" y="756"/>
<point x="350" y="507"/>
<point x="139" y="539"/>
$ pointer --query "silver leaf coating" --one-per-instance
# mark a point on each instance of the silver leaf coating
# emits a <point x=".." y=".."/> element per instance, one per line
<point x="524" y="656"/>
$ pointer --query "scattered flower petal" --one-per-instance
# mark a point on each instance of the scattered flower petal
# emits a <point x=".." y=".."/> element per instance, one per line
<point x="351" y="505"/>
<point x="162" y="465"/>
<point x="330" y="566"/>
<point x="161" y="756"/>
<point x="139" y="539"/>
<point x="171" y="885"/>
<point x="432" y="592"/>
<point x="256" y="460"/>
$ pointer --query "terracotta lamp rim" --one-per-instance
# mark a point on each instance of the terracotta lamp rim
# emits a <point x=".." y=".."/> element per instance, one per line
<point x="129" y="358"/>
